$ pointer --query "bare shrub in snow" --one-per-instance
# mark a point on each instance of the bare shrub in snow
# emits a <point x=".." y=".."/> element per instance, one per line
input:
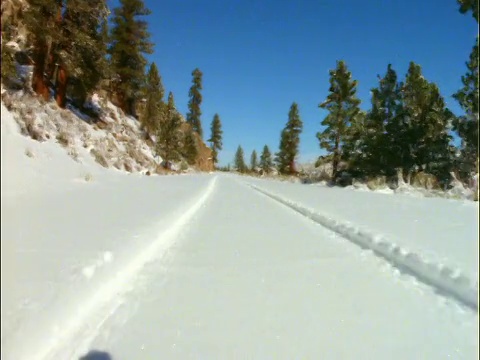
<point x="88" y="177"/>
<point x="63" y="138"/>
<point x="99" y="158"/>
<point x="425" y="181"/>
<point x="378" y="182"/>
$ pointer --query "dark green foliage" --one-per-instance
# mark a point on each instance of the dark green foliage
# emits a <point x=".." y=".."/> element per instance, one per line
<point x="216" y="138"/>
<point x="190" y="149"/>
<point x="289" y="142"/>
<point x="253" y="161"/>
<point x="169" y="135"/>
<point x="154" y="106"/>
<point x="343" y="106"/>
<point x="82" y="49"/>
<point x="424" y="124"/>
<point x="194" y="111"/>
<point x="469" y="5"/>
<point x="129" y="42"/>
<point x="266" y="162"/>
<point x="467" y="125"/>
<point x="377" y="135"/>
<point x="239" y="161"/>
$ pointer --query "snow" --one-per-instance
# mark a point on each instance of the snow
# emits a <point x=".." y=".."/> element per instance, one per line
<point x="209" y="266"/>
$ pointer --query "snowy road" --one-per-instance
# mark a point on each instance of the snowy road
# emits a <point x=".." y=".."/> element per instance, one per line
<point x="216" y="270"/>
<point x="249" y="278"/>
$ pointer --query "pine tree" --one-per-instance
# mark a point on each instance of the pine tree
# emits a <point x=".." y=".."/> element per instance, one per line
<point x="194" y="114"/>
<point x="469" y="5"/>
<point x="343" y="106"/>
<point x="467" y="126"/>
<point x="43" y="34"/>
<point x="290" y="141"/>
<point x="216" y="138"/>
<point x="129" y="42"/>
<point x="68" y="46"/>
<point x="381" y="141"/>
<point x="425" y="120"/>
<point x="190" y="149"/>
<point x="253" y="161"/>
<point x="239" y="161"/>
<point x="168" y="134"/>
<point x="154" y="106"/>
<point x="266" y="161"/>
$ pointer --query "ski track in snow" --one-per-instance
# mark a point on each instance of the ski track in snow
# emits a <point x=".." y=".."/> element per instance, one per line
<point x="72" y="338"/>
<point x="449" y="282"/>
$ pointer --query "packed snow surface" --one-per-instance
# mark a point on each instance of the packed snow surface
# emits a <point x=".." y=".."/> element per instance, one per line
<point x="222" y="266"/>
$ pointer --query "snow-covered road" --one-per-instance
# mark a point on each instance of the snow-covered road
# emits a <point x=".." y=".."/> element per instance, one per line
<point x="205" y="266"/>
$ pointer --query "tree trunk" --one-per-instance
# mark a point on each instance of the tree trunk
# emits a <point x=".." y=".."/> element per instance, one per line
<point x="61" y="87"/>
<point x="335" y="158"/>
<point x="39" y="84"/>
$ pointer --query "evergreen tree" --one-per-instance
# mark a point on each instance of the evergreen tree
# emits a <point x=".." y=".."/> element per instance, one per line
<point x="343" y="106"/>
<point x="290" y="141"/>
<point x="129" y="42"/>
<point x="194" y="114"/>
<point x="190" y="149"/>
<point x="266" y="161"/>
<point x="154" y="106"/>
<point x="168" y="133"/>
<point x="68" y="46"/>
<point x="380" y="141"/>
<point x="43" y="34"/>
<point x="216" y="138"/>
<point x="467" y="126"/>
<point x="239" y="161"/>
<point x="469" y="5"/>
<point x="425" y="120"/>
<point x="253" y="161"/>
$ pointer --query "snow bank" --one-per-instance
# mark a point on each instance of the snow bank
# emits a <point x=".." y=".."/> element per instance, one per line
<point x="448" y="279"/>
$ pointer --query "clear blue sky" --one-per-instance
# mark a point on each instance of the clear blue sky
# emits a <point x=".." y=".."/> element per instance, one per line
<point x="257" y="57"/>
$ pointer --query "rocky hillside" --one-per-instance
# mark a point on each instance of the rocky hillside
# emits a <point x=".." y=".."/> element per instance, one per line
<point x="113" y="139"/>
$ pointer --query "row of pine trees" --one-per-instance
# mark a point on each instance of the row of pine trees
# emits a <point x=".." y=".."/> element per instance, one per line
<point x="408" y="126"/>
<point x="78" y="47"/>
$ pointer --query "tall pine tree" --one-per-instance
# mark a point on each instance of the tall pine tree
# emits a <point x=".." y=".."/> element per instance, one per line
<point x="129" y="42"/>
<point x="216" y="138"/>
<point x="154" y="106"/>
<point x="469" y="5"/>
<point x="290" y="141"/>
<point x="467" y="125"/>
<point x="194" y="111"/>
<point x="239" y="161"/>
<point x="168" y="133"/>
<point x="343" y="106"/>
<point x="425" y="120"/>
<point x="266" y="162"/>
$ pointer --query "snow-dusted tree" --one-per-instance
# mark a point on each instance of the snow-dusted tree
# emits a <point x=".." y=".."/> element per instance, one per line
<point x="467" y="125"/>
<point x="130" y="40"/>
<point x="239" y="161"/>
<point x="154" y="92"/>
<point x="290" y="141"/>
<point x="343" y="106"/>
<point x="266" y="162"/>
<point x="168" y="133"/>
<point x="253" y="161"/>
<point x="216" y="138"/>
<point x="194" y="111"/>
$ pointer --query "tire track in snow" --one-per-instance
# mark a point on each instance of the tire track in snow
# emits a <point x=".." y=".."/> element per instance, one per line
<point x="445" y="280"/>
<point x="75" y="334"/>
